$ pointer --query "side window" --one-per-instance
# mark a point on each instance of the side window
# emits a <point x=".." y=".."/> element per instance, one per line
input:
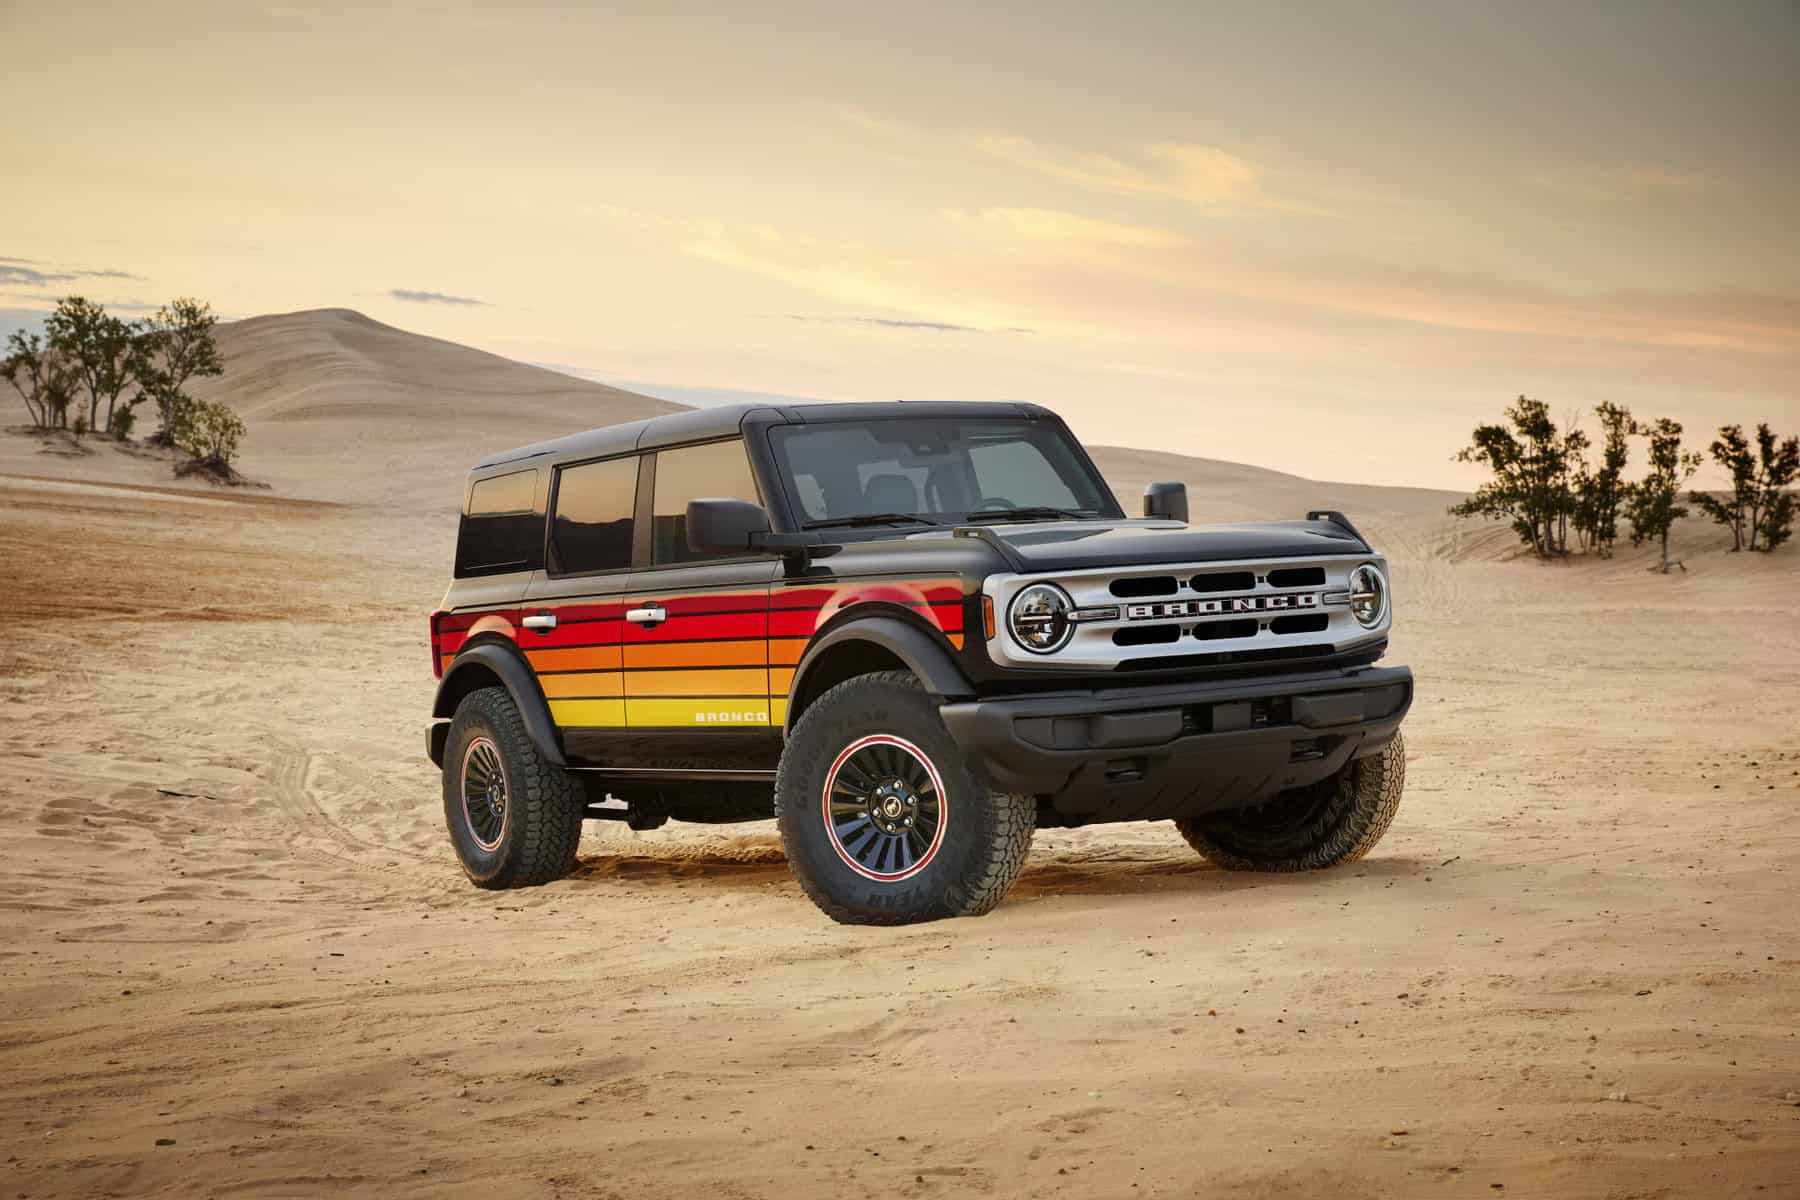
<point x="715" y="470"/>
<point x="592" y="527"/>
<point x="501" y="529"/>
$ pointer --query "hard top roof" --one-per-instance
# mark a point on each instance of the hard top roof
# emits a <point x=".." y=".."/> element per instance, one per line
<point x="701" y="424"/>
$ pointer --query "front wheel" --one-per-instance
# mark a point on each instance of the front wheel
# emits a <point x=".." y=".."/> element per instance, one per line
<point x="1336" y="820"/>
<point x="881" y="818"/>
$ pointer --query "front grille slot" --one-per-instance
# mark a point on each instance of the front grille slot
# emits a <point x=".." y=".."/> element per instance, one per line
<point x="1173" y="662"/>
<point x="1212" y="631"/>
<point x="1146" y="585"/>
<point x="1304" y="623"/>
<point x="1147" y="635"/>
<point x="1294" y="577"/>
<point x="1224" y="581"/>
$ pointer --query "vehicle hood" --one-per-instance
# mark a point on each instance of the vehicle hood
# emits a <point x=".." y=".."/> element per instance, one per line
<point x="1074" y="545"/>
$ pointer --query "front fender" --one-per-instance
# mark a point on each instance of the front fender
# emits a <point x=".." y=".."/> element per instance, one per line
<point x="924" y="654"/>
<point x="503" y="661"/>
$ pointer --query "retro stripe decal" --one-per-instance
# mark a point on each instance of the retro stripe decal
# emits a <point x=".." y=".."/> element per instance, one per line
<point x="588" y="713"/>
<point x="721" y="658"/>
<point x="583" y="685"/>
<point x="722" y="710"/>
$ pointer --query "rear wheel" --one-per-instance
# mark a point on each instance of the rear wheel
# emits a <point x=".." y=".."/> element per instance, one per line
<point x="514" y="819"/>
<point x="1337" y="820"/>
<point x="882" y="820"/>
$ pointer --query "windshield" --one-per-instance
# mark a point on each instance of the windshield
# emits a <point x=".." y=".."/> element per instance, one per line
<point x="939" y="469"/>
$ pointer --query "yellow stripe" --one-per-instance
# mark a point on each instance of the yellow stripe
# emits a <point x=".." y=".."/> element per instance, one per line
<point x="586" y="683"/>
<point x="749" y="682"/>
<point x="578" y="713"/>
<point x="777" y="710"/>
<point x="721" y="711"/>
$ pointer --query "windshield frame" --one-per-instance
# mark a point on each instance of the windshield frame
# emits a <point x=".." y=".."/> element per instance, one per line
<point x="798" y="518"/>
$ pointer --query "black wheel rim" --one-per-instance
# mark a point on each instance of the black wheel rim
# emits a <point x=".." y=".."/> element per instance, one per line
<point x="885" y="808"/>
<point x="484" y="792"/>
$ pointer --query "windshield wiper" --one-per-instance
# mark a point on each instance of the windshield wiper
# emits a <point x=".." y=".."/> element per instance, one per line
<point x="872" y="519"/>
<point x="1029" y="512"/>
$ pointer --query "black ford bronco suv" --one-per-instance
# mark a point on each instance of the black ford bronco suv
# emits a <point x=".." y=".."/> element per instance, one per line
<point x="911" y="633"/>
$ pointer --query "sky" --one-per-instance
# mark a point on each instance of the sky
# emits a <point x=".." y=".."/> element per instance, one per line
<point x="1327" y="239"/>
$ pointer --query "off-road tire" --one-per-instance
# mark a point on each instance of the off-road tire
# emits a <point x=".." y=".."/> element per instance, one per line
<point x="1337" y="820"/>
<point x="544" y="804"/>
<point x="985" y="835"/>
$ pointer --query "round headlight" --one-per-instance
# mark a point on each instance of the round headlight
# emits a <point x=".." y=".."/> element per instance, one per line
<point x="1368" y="595"/>
<point x="1039" y="618"/>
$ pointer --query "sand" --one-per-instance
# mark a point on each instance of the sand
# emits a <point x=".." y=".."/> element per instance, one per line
<point x="240" y="959"/>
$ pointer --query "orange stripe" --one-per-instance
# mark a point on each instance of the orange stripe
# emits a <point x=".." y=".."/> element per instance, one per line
<point x="582" y="658"/>
<point x="956" y="639"/>
<point x="785" y="652"/>
<point x="696" y="654"/>
<point x="585" y="684"/>
<point x="696" y="683"/>
<point x="780" y="680"/>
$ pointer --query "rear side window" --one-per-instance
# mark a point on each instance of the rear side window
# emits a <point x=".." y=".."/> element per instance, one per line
<point x="501" y="528"/>
<point x="717" y="470"/>
<point x="592" y="528"/>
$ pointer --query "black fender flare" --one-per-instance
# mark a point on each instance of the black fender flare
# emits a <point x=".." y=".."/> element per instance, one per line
<point x="504" y="660"/>
<point x="925" y="654"/>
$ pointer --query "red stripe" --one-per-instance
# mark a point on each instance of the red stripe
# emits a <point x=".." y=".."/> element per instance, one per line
<point x="689" y="628"/>
<point x="702" y="603"/>
<point x="583" y="633"/>
<point x="582" y="612"/>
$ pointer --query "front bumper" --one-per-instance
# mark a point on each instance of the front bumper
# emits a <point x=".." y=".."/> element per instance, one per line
<point x="1151" y="753"/>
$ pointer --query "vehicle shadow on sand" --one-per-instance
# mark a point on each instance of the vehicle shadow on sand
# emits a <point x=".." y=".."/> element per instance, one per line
<point x="755" y="861"/>
<point x="1104" y="874"/>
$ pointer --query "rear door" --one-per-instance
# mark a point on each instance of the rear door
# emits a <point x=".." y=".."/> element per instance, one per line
<point x="696" y="628"/>
<point x="573" y="609"/>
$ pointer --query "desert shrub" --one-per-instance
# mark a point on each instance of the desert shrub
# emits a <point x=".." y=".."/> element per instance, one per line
<point x="208" y="431"/>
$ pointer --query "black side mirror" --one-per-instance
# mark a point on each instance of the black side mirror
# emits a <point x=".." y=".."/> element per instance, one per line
<point x="1167" y="500"/>
<point x="724" y="526"/>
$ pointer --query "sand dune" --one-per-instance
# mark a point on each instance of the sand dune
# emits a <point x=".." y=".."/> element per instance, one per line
<point x="418" y="409"/>
<point x="241" y="961"/>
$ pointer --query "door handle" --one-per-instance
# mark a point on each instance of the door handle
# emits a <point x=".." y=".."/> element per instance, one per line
<point x="542" y="622"/>
<point x="648" y="615"/>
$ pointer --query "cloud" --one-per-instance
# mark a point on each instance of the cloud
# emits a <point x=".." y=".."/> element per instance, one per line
<point x="1208" y="177"/>
<point x="1203" y="175"/>
<point x="412" y="297"/>
<point x="895" y="323"/>
<point x="1050" y="225"/>
<point x="17" y="272"/>
<point x="1203" y="295"/>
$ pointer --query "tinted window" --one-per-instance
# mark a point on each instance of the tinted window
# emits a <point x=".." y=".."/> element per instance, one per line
<point x="1007" y="468"/>
<point x="717" y="470"/>
<point x="501" y="530"/>
<point x="594" y="504"/>
<point x="943" y="468"/>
